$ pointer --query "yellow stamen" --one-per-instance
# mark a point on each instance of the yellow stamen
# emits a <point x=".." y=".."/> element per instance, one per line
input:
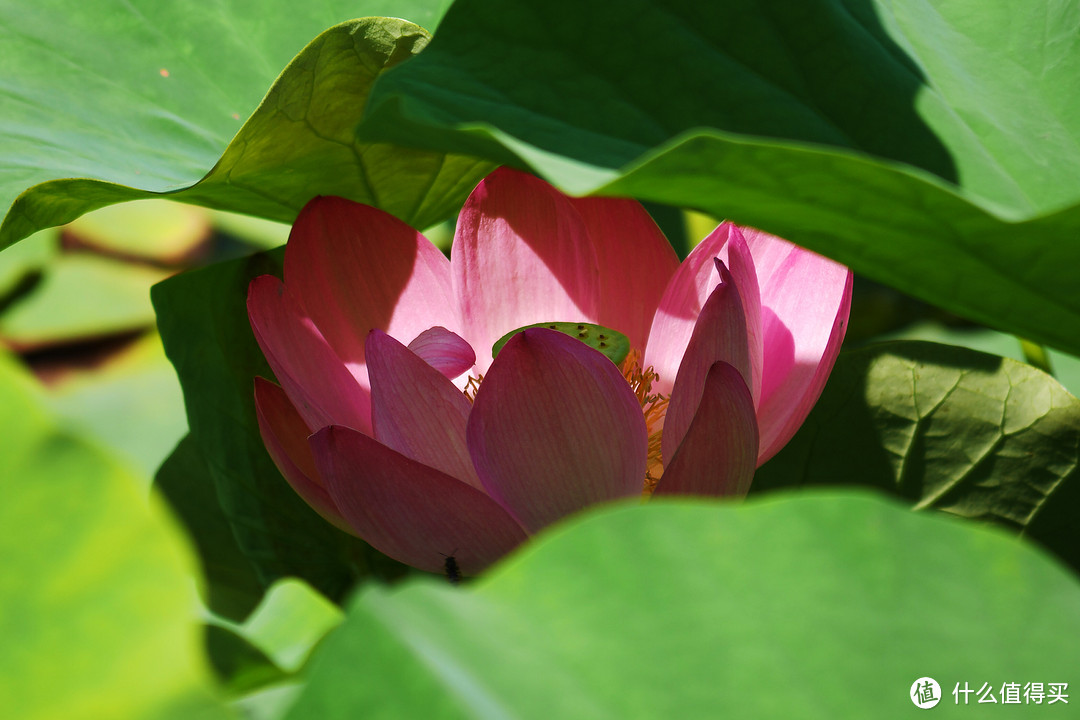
<point x="472" y="386"/>
<point x="654" y="407"/>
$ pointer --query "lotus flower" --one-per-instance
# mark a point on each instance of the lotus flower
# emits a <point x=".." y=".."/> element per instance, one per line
<point x="397" y="422"/>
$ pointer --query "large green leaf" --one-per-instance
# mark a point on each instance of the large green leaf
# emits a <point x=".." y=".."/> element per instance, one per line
<point x="240" y="666"/>
<point x="1066" y="368"/>
<point x="144" y="97"/>
<point x="95" y="598"/>
<point x="232" y="587"/>
<point x="274" y="642"/>
<point x="289" y="621"/>
<point x="203" y="321"/>
<point x="976" y="435"/>
<point x="931" y="146"/>
<point x="815" y="606"/>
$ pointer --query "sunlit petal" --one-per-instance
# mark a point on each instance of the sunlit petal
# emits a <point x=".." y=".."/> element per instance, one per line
<point x="805" y="301"/>
<point x="320" y="387"/>
<point x="521" y="255"/>
<point x="719" y="335"/>
<point x="355" y="268"/>
<point x="635" y="260"/>
<point x="680" y="305"/>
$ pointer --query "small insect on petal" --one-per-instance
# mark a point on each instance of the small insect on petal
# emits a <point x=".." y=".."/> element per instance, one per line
<point x="610" y="343"/>
<point x="453" y="573"/>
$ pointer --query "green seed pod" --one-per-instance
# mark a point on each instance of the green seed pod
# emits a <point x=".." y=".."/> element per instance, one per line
<point x="610" y="343"/>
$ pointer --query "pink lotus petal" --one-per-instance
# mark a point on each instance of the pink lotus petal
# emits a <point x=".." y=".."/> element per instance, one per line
<point x="555" y="427"/>
<point x="286" y="438"/>
<point x="741" y="264"/>
<point x="355" y="268"/>
<point x="416" y="410"/>
<point x="680" y="305"/>
<point x="319" y="386"/>
<point x="521" y="255"/>
<point x="635" y="260"/>
<point x="718" y="455"/>
<point x="719" y="335"/>
<point x="805" y="304"/>
<point x="445" y="351"/>
<point x="411" y="512"/>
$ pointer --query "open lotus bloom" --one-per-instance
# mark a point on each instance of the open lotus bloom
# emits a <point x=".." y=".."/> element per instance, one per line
<point x="399" y="420"/>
